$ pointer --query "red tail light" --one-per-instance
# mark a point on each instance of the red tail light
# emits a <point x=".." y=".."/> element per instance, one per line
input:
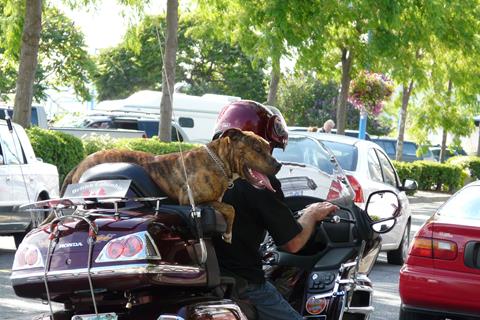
<point x="434" y="248"/>
<point x="128" y="247"/>
<point x="357" y="188"/>
<point x="132" y="246"/>
<point x="334" y="191"/>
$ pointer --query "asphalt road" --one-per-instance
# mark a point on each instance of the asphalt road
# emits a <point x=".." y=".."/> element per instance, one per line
<point x="384" y="276"/>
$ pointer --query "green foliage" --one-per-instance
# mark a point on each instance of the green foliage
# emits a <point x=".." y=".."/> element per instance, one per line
<point x="63" y="150"/>
<point x="204" y="62"/>
<point x="306" y="101"/>
<point x="469" y="163"/>
<point x="152" y="145"/>
<point x="432" y="175"/>
<point x="63" y="59"/>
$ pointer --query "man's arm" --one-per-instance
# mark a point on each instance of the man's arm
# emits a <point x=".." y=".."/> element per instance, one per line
<point x="311" y="215"/>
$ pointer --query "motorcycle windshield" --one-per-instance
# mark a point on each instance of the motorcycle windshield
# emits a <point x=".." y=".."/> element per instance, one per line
<point x="310" y="168"/>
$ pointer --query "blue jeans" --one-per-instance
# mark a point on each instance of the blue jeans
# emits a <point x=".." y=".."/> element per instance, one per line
<point x="269" y="302"/>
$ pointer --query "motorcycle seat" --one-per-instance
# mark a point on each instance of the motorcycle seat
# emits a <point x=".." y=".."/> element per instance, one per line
<point x="142" y="184"/>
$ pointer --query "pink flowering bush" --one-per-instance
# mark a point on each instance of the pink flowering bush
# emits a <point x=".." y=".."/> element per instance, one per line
<point x="369" y="91"/>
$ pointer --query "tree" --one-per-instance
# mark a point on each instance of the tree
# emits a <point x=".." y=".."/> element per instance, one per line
<point x="62" y="57"/>
<point x="409" y="48"/>
<point x="204" y="62"/>
<point x="306" y="101"/>
<point x="28" y="62"/>
<point x="168" y="79"/>
<point x="260" y="27"/>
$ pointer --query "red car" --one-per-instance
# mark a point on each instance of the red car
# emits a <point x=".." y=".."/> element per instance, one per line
<point x="441" y="276"/>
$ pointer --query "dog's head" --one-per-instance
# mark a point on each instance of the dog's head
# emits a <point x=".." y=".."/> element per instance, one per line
<point x="252" y="158"/>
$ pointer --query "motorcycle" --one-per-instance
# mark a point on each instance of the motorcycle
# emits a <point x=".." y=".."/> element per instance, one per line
<point x="119" y="249"/>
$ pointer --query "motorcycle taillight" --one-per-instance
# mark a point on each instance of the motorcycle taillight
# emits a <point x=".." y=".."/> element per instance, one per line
<point x="27" y="256"/>
<point x="136" y="246"/>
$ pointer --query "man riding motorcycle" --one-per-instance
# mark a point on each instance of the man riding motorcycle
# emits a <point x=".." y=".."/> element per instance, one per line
<point x="259" y="211"/>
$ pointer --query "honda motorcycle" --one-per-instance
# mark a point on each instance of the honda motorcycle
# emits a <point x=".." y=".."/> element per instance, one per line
<point x="118" y="249"/>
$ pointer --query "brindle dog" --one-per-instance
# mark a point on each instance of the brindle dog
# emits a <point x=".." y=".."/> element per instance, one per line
<point x="238" y="154"/>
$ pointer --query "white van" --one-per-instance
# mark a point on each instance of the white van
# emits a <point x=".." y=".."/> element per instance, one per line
<point x="39" y="116"/>
<point x="196" y="115"/>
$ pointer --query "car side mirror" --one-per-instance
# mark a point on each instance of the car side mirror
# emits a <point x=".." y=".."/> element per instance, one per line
<point x="409" y="185"/>
<point x="382" y="208"/>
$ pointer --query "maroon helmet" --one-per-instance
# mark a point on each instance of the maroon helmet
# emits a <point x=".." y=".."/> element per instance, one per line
<point x="248" y="115"/>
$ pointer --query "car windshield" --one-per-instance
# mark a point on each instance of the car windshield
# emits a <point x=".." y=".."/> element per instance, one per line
<point x="464" y="205"/>
<point x="346" y="154"/>
<point x="322" y="168"/>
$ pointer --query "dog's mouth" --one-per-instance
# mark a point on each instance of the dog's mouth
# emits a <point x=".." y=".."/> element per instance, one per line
<point x="257" y="179"/>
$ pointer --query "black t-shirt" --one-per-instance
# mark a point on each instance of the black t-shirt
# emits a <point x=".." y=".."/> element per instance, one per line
<point x="256" y="211"/>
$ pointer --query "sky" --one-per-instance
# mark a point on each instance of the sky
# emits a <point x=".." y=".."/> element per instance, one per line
<point x="105" y="24"/>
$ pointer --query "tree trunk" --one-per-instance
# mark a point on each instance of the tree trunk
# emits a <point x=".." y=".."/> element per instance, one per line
<point x="347" y="58"/>
<point x="444" y="135"/>
<point x="273" y="89"/>
<point x="407" y="91"/>
<point x="32" y="28"/>
<point x="168" y="75"/>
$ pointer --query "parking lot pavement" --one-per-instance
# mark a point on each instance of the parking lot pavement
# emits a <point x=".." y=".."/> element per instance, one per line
<point x="386" y="298"/>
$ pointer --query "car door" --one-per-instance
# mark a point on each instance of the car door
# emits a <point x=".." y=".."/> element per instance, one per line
<point x="14" y="160"/>
<point x="390" y="179"/>
<point x="6" y="199"/>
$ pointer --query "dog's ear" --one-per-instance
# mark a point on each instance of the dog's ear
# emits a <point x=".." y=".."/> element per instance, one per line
<point x="232" y="133"/>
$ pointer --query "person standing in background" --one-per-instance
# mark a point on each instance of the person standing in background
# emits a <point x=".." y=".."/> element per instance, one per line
<point x="327" y="126"/>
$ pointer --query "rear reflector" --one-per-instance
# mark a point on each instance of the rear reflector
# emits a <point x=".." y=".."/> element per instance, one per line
<point x="357" y="188"/>
<point x="434" y="248"/>
<point x="444" y="249"/>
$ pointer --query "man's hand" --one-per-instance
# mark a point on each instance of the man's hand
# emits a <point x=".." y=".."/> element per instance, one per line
<point x="320" y="210"/>
<point x="312" y="214"/>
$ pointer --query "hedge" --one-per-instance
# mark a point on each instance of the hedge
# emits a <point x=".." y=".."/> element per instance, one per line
<point x="58" y="148"/>
<point x="432" y="175"/>
<point x="66" y="151"/>
<point x="469" y="163"/>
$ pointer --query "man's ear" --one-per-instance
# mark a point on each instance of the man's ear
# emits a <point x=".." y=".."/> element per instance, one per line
<point x="232" y="133"/>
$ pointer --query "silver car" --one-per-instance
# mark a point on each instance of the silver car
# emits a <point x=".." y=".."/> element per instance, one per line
<point x="369" y="169"/>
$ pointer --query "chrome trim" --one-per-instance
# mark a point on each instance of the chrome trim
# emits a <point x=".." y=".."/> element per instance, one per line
<point x="123" y="269"/>
<point x="229" y="306"/>
<point x="360" y="310"/>
<point x="169" y="317"/>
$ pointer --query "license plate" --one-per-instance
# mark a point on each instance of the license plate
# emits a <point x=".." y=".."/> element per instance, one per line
<point x="101" y="316"/>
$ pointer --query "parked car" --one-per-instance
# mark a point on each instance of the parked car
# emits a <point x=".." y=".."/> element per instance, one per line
<point x="310" y="169"/>
<point x="38" y="118"/>
<point x="435" y="150"/>
<point x="368" y="169"/>
<point x="409" y="153"/>
<point x="348" y="132"/>
<point x="441" y="276"/>
<point x="25" y="179"/>
<point x="138" y="124"/>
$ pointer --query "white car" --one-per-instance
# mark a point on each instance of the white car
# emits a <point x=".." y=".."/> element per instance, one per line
<point x="24" y="179"/>
<point x="310" y="169"/>
<point x="369" y="169"/>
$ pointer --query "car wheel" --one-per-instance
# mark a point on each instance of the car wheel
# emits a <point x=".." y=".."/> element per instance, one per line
<point x="411" y="315"/>
<point x="399" y="255"/>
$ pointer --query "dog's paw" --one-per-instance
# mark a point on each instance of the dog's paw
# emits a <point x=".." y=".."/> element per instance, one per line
<point x="227" y="237"/>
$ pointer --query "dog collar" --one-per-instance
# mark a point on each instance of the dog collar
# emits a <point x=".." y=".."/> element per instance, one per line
<point x="220" y="165"/>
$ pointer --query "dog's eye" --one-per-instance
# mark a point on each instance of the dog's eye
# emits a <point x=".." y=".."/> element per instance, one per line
<point x="257" y="148"/>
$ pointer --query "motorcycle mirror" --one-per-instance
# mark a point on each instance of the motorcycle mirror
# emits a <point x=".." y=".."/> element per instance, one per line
<point x="382" y="209"/>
